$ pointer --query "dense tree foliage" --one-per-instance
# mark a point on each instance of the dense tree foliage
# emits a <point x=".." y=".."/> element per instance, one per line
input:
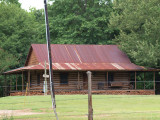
<point x="18" y="29"/>
<point x="139" y="23"/>
<point x="6" y="60"/>
<point x="11" y="2"/>
<point x="80" y="22"/>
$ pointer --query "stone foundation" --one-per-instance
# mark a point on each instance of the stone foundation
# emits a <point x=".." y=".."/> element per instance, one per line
<point x="126" y="92"/>
<point x="102" y="92"/>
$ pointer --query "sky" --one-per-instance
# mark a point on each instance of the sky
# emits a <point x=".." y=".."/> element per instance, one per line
<point x="26" y="4"/>
<point x="38" y="4"/>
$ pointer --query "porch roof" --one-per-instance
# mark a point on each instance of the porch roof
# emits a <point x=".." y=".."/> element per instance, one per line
<point x="84" y="67"/>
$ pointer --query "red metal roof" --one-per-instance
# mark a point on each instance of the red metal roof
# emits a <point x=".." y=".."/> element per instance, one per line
<point x="81" y="58"/>
<point x="81" y="53"/>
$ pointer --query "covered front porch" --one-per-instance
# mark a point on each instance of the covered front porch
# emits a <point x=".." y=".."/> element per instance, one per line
<point x="76" y="82"/>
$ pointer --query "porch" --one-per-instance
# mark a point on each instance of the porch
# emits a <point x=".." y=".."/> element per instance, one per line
<point x="103" y="82"/>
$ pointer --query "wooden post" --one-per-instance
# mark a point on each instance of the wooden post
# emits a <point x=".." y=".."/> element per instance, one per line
<point x="154" y="77"/>
<point x="144" y="80"/>
<point x="16" y="82"/>
<point x="29" y="74"/>
<point x="5" y="85"/>
<point x="78" y="82"/>
<point x="107" y="79"/>
<point x="129" y="79"/>
<point x="22" y="81"/>
<point x="90" y="110"/>
<point x="135" y="80"/>
<point x="10" y="84"/>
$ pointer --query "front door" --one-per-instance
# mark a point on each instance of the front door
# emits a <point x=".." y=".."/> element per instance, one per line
<point x="85" y="81"/>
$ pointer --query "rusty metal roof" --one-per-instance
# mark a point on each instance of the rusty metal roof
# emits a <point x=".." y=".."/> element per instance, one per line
<point x="84" y="67"/>
<point x="80" y="67"/>
<point x="81" y="58"/>
<point x="81" y="53"/>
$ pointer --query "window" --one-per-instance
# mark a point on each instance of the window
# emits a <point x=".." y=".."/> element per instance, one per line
<point x="38" y="79"/>
<point x="64" y="78"/>
<point x="110" y="78"/>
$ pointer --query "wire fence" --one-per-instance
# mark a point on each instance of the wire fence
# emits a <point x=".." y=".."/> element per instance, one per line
<point x="95" y="84"/>
<point x="80" y="87"/>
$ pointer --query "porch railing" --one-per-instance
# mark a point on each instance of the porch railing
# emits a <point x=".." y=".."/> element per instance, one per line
<point x="96" y="85"/>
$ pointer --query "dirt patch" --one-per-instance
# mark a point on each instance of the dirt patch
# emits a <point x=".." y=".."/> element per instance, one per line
<point x="17" y="112"/>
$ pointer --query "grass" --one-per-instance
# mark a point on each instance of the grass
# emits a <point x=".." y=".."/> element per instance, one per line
<point x="75" y="107"/>
<point x="5" y="117"/>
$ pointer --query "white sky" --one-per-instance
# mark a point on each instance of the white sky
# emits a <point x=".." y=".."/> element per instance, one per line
<point x="26" y="4"/>
<point x="38" y="4"/>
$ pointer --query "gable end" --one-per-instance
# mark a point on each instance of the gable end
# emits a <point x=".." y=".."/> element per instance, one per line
<point x="31" y="58"/>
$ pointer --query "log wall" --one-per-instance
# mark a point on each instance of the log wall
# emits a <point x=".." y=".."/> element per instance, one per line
<point x="72" y="81"/>
<point x="99" y="81"/>
<point x="122" y="79"/>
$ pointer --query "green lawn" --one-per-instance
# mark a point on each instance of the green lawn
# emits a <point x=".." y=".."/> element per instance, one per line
<point x="75" y="107"/>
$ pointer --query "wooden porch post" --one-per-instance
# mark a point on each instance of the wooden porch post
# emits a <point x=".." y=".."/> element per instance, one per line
<point x="16" y="82"/>
<point x="135" y="79"/>
<point x="22" y="82"/>
<point x="144" y="80"/>
<point x="107" y="79"/>
<point x="10" y="83"/>
<point x="29" y="74"/>
<point x="5" y="85"/>
<point x="78" y="81"/>
<point x="154" y="77"/>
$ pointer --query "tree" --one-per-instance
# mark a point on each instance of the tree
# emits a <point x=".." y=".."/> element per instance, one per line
<point x="80" y="21"/>
<point x="12" y="2"/>
<point x="7" y="60"/>
<point x="18" y="29"/>
<point x="40" y="19"/>
<point x="138" y="22"/>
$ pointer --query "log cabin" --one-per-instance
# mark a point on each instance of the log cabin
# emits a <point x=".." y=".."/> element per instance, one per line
<point x="112" y="71"/>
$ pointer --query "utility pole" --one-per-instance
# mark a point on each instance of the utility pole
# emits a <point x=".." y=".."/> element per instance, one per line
<point x="50" y="60"/>
<point x="90" y="110"/>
